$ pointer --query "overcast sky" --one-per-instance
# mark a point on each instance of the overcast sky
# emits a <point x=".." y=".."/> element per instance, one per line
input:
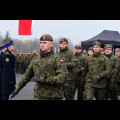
<point x="76" y="30"/>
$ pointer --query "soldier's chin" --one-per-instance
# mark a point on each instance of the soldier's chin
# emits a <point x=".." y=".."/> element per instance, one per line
<point x="96" y="51"/>
<point x="43" y="50"/>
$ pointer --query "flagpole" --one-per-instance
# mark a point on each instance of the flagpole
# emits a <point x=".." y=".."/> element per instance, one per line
<point x="21" y="43"/>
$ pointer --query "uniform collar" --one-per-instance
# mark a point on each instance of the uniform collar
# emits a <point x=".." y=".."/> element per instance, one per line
<point x="109" y="55"/>
<point x="97" y="54"/>
<point x="44" y="54"/>
<point x="8" y="52"/>
<point x="64" y="50"/>
<point x="78" y="54"/>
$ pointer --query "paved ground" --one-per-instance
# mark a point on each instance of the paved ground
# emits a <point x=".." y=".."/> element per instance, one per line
<point x="27" y="92"/>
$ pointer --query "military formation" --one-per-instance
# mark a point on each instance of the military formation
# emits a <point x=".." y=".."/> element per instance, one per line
<point x="95" y="73"/>
<point x="23" y="59"/>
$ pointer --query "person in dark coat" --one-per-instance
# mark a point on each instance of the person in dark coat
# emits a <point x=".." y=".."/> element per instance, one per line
<point x="2" y="50"/>
<point x="8" y="78"/>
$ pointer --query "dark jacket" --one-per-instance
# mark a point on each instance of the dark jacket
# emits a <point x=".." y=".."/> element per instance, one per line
<point x="8" y="79"/>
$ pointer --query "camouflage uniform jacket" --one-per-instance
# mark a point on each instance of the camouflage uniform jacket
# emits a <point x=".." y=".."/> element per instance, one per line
<point x="116" y="72"/>
<point x="97" y="65"/>
<point x="52" y="73"/>
<point x="32" y="56"/>
<point x="27" y="60"/>
<point x="113" y="62"/>
<point x="16" y="58"/>
<point x="21" y="59"/>
<point x="66" y="56"/>
<point x="77" y="62"/>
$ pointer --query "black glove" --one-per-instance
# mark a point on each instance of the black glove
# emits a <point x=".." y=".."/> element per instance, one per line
<point x="14" y="94"/>
<point x="96" y="79"/>
<point x="112" y="85"/>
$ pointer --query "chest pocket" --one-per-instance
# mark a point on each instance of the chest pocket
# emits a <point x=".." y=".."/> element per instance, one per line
<point x="49" y="65"/>
<point x="101" y="62"/>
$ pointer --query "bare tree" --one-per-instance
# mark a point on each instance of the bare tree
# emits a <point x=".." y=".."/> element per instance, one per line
<point x="7" y="38"/>
<point x="1" y="39"/>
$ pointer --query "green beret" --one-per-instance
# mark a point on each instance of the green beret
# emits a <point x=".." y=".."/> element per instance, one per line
<point x="78" y="47"/>
<point x="91" y="48"/>
<point x="107" y="46"/>
<point x="63" y="40"/>
<point x="46" y="37"/>
<point x="97" y="43"/>
<point x="117" y="50"/>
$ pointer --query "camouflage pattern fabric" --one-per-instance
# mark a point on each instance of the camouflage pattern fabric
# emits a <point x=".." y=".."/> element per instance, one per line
<point x="96" y="66"/>
<point x="52" y="73"/>
<point x="111" y="84"/>
<point x="77" y="62"/>
<point x="69" y="89"/>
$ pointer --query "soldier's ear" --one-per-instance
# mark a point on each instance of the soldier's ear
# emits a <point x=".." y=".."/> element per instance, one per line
<point x="52" y="44"/>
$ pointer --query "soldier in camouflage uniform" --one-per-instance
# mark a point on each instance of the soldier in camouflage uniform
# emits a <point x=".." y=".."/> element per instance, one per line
<point x="111" y="85"/>
<point x="85" y="52"/>
<point x="66" y="55"/>
<point x="90" y="51"/>
<point x="117" y="52"/>
<point x="77" y="63"/>
<point x="102" y="51"/>
<point x="21" y="63"/>
<point x="96" y="69"/>
<point x="17" y="62"/>
<point x="116" y="72"/>
<point x="50" y="71"/>
<point x="27" y="59"/>
<point x="34" y="53"/>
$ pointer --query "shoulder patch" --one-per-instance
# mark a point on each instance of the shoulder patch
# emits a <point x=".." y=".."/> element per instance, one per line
<point x="61" y="61"/>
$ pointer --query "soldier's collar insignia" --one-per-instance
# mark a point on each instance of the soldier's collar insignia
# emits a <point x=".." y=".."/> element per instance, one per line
<point x="61" y="61"/>
<point x="7" y="53"/>
<point x="7" y="59"/>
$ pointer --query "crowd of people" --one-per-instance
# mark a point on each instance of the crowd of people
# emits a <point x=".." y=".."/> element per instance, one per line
<point x="23" y="59"/>
<point x="94" y="73"/>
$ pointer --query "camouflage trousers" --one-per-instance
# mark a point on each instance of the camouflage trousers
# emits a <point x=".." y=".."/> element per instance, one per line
<point x="118" y="86"/>
<point x="111" y="92"/>
<point x="91" y="92"/>
<point x="80" y="84"/>
<point x="69" y="90"/>
<point x="46" y="99"/>
<point x="21" y="67"/>
<point x="17" y="68"/>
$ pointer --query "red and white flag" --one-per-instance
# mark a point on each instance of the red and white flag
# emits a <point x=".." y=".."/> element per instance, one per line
<point x="25" y="27"/>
